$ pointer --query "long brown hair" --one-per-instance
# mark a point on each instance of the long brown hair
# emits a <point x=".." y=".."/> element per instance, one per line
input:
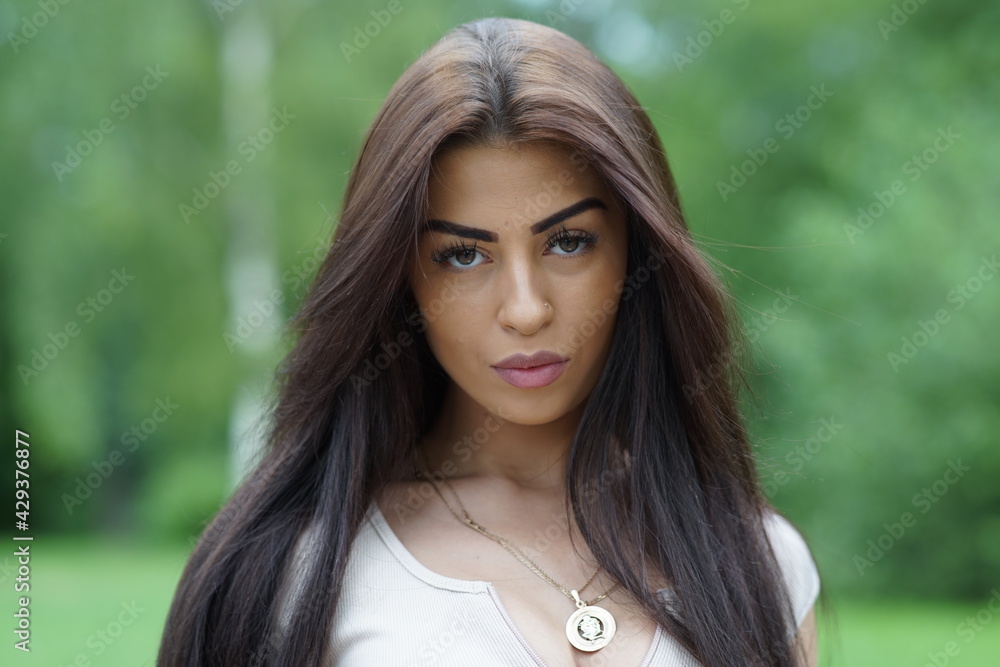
<point x="664" y="410"/>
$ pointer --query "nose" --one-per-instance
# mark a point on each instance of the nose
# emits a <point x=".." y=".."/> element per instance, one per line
<point x="522" y="300"/>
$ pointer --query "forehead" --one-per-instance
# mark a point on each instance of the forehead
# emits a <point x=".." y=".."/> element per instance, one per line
<point x="493" y="185"/>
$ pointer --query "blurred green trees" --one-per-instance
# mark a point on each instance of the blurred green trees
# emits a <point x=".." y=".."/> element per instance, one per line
<point x="172" y="173"/>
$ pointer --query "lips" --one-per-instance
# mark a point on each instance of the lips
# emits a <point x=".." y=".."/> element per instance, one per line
<point x="531" y="371"/>
<point x="530" y="361"/>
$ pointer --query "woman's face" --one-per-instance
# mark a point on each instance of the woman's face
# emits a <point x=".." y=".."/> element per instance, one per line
<point x="508" y="231"/>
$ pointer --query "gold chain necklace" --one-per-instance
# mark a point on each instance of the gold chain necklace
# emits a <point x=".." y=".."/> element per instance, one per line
<point x="589" y="628"/>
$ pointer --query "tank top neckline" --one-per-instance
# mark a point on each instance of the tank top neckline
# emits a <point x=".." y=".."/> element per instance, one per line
<point x="421" y="571"/>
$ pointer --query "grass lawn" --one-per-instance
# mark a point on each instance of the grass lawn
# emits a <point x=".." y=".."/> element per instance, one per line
<point x="92" y="603"/>
<point x="104" y="603"/>
<point x="915" y="633"/>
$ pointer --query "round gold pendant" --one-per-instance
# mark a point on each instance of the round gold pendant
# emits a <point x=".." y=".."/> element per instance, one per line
<point x="590" y="628"/>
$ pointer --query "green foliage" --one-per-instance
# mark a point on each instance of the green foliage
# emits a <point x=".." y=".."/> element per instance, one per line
<point x="828" y="296"/>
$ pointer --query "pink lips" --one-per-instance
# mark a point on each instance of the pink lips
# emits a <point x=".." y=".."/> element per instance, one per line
<point x="529" y="372"/>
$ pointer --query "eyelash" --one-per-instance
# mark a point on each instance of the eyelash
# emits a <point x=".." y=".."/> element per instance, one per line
<point x="562" y="234"/>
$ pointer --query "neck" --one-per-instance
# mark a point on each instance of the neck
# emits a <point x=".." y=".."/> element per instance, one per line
<point x="467" y="440"/>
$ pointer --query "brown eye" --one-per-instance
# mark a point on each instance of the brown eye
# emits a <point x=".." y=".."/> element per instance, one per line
<point x="569" y="245"/>
<point x="572" y="243"/>
<point x="454" y="256"/>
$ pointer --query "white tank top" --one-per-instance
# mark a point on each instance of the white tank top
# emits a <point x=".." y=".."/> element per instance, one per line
<point x="394" y="612"/>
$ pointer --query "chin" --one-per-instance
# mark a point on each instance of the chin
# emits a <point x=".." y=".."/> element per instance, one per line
<point x="533" y="409"/>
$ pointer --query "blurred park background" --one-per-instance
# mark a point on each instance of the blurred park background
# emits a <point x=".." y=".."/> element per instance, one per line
<point x="172" y="173"/>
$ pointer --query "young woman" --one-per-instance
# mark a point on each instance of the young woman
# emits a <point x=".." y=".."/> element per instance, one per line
<point x="508" y="432"/>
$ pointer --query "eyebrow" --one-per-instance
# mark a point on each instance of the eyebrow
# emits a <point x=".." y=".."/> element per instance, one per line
<point x="455" y="229"/>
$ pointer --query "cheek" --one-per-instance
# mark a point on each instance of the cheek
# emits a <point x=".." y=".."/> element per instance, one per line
<point x="450" y="324"/>
<point x="599" y="286"/>
<point x="454" y="346"/>
<point x="431" y="299"/>
<point x="594" y="303"/>
<point x="442" y="334"/>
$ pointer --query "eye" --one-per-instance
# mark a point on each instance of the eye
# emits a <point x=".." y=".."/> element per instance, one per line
<point x="460" y="257"/>
<point x="465" y="255"/>
<point x="570" y="242"/>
